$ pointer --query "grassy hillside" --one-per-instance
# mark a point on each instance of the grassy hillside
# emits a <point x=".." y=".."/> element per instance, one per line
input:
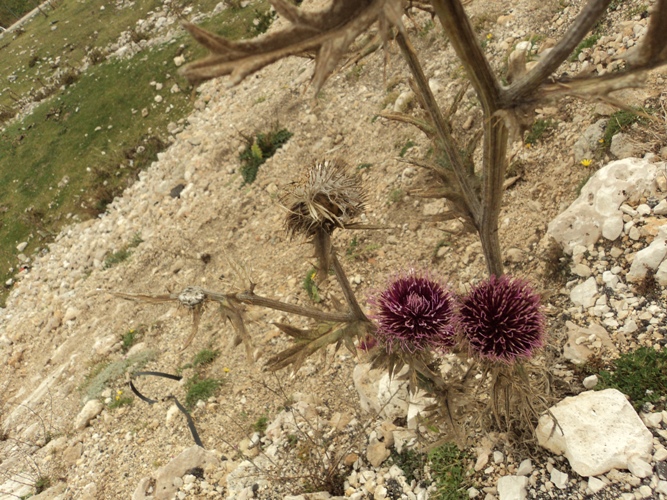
<point x="83" y="145"/>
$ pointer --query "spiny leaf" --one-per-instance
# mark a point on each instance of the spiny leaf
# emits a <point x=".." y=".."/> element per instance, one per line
<point x="328" y="32"/>
<point x="231" y="312"/>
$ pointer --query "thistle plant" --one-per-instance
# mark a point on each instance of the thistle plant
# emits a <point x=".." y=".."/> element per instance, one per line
<point x="499" y="322"/>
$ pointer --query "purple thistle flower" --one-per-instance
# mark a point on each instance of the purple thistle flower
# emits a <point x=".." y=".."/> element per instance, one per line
<point x="414" y="312"/>
<point x="502" y="320"/>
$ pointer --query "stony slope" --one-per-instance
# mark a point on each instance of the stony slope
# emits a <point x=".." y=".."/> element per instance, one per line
<point x="60" y="323"/>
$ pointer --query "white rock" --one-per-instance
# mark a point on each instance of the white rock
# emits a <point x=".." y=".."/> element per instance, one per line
<point x="22" y="246"/>
<point x="639" y="468"/>
<point x="644" y="209"/>
<point x="512" y="488"/>
<point x="525" y="468"/>
<point x="616" y="183"/>
<point x="660" y="208"/>
<point x="650" y="257"/>
<point x="596" y="431"/>
<point x="662" y="487"/>
<point x="90" y="410"/>
<point x="584" y="293"/>
<point x="595" y="484"/>
<point x="590" y="381"/>
<point x="661" y="273"/>
<point x="612" y="227"/>
<point x="403" y="101"/>
<point x="559" y="478"/>
<point x="582" y="270"/>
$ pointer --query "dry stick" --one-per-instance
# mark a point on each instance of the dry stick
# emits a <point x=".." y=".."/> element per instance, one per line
<point x="549" y="63"/>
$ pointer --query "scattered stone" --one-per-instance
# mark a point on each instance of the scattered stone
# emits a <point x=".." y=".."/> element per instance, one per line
<point x="512" y="488"/>
<point x="90" y="410"/>
<point x="590" y="381"/>
<point x="377" y="453"/>
<point x="559" y="479"/>
<point x="596" y="431"/>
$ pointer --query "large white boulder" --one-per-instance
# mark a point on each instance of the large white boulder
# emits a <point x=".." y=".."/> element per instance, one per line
<point x="596" y="211"/>
<point x="596" y="431"/>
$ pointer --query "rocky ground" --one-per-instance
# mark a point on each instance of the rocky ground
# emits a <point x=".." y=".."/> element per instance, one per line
<point x="62" y="327"/>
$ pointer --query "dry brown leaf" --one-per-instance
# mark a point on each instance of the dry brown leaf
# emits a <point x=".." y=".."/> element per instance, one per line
<point x="328" y="32"/>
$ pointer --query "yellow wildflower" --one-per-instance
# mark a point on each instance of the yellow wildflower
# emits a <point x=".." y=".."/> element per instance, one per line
<point x="489" y="36"/>
<point x="586" y="162"/>
<point x="226" y="370"/>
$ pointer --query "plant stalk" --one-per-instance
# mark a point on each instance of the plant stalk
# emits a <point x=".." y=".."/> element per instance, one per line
<point x="258" y="300"/>
<point x="443" y="131"/>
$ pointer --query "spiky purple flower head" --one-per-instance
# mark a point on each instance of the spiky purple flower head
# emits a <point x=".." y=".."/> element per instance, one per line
<point x="501" y="319"/>
<point x="414" y="312"/>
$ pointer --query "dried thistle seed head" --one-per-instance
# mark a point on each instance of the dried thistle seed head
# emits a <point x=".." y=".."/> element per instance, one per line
<point x="328" y="196"/>
<point x="413" y="313"/>
<point x="501" y="319"/>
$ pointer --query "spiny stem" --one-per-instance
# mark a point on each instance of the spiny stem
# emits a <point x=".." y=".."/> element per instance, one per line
<point x="258" y="300"/>
<point x="350" y="298"/>
<point x="443" y="130"/>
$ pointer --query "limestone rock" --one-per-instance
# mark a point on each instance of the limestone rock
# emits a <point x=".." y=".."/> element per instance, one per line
<point x="588" y="142"/>
<point x="596" y="431"/>
<point x="512" y="488"/>
<point x="622" y="146"/>
<point x="90" y="410"/>
<point x="377" y="453"/>
<point x="192" y="457"/>
<point x="584" y="294"/>
<point x="650" y="258"/>
<point x="380" y="393"/>
<point x="618" y="182"/>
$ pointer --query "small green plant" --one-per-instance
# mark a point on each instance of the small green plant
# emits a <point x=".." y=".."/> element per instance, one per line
<point x="352" y="247"/>
<point x="101" y="374"/>
<point x="258" y="149"/>
<point x="538" y="130"/>
<point x="396" y="195"/>
<point x="310" y="286"/>
<point x="407" y="146"/>
<point x="411" y="462"/>
<point x="116" y="257"/>
<point x="292" y="440"/>
<point x="448" y="469"/>
<point x="364" y="166"/>
<point x="619" y="121"/>
<point x="438" y="246"/>
<point x="641" y="374"/>
<point x="200" y="389"/>
<point x="262" y="21"/>
<point x="261" y="424"/>
<point x="129" y="339"/>
<point x="42" y="483"/>
<point x="124" y="253"/>
<point x="205" y="357"/>
<point x="587" y="43"/>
